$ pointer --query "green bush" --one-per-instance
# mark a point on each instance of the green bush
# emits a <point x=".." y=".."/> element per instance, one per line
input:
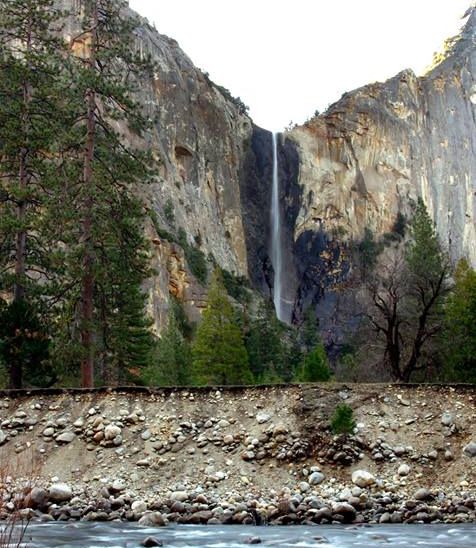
<point x="197" y="263"/>
<point x="169" y="211"/>
<point x="343" y="420"/>
<point x="236" y="286"/>
<point x="196" y="259"/>
<point x="161" y="232"/>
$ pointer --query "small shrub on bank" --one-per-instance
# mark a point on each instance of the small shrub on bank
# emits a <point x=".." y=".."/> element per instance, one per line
<point x="343" y="420"/>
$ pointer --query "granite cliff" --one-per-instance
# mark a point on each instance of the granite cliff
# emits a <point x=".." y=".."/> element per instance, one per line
<point x="378" y="148"/>
<point x="356" y="166"/>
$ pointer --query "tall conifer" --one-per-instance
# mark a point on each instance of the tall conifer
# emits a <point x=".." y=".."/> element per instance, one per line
<point x="31" y="56"/>
<point x="218" y="352"/>
<point x="103" y="225"/>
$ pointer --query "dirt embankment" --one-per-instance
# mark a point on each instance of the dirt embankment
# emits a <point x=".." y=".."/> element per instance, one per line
<point x="257" y="439"/>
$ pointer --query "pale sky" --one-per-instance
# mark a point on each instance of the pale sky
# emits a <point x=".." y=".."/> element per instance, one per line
<point x="287" y="58"/>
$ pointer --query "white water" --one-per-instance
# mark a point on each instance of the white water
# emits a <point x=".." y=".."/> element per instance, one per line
<point x="276" y="244"/>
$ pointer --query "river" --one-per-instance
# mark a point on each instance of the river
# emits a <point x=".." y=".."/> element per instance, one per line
<point x="125" y="535"/>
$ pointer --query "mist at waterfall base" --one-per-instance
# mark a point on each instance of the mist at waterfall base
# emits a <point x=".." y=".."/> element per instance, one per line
<point x="126" y="535"/>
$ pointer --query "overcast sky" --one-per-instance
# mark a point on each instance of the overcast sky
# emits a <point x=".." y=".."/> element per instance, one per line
<point x="287" y="58"/>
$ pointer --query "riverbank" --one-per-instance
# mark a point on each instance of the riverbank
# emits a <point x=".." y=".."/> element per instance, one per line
<point x="243" y="455"/>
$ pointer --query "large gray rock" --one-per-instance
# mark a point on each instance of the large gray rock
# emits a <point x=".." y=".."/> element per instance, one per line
<point x="261" y="418"/>
<point x="60" y="492"/>
<point x="38" y="497"/>
<point x="470" y="449"/>
<point x="111" y="432"/>
<point x="423" y="494"/>
<point x="180" y="496"/>
<point x="403" y="470"/>
<point x="346" y="510"/>
<point x="3" y="437"/>
<point x="362" y="478"/>
<point x="316" y="478"/>
<point x="139" y="507"/>
<point x="148" y="542"/>
<point x="153" y="519"/>
<point x="66" y="437"/>
<point x="447" y="419"/>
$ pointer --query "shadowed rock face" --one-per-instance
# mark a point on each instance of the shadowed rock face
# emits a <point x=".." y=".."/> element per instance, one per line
<point x="355" y="167"/>
<point x="256" y="180"/>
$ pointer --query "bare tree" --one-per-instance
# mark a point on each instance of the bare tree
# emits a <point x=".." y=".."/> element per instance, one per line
<point x="405" y="297"/>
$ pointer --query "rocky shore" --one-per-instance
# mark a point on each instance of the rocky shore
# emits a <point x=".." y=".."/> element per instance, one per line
<point x="262" y="455"/>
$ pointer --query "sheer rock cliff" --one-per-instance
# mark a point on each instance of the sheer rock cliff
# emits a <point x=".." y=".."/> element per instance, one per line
<point x="359" y="165"/>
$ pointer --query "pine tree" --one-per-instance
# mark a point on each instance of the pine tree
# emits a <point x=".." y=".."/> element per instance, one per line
<point x="102" y="227"/>
<point x="268" y="347"/>
<point x="171" y="363"/>
<point x="30" y="121"/>
<point x="315" y="366"/>
<point x="460" y="325"/>
<point x="309" y="330"/>
<point x="218" y="352"/>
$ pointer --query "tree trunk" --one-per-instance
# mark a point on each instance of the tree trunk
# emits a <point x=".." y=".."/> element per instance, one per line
<point x="20" y="239"/>
<point x="16" y="380"/>
<point x="88" y="281"/>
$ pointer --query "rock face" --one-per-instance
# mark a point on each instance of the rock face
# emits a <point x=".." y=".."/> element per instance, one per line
<point x="378" y="148"/>
<point x="200" y="140"/>
<point x="357" y="166"/>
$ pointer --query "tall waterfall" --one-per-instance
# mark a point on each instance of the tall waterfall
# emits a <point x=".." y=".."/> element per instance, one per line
<point x="276" y="244"/>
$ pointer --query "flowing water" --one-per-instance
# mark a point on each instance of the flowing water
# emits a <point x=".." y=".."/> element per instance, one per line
<point x="125" y="535"/>
<point x="276" y="244"/>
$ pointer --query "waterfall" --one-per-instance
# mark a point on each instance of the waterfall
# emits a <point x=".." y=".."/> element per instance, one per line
<point x="276" y="244"/>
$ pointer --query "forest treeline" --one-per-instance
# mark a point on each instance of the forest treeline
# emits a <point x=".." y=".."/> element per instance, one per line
<point x="74" y="257"/>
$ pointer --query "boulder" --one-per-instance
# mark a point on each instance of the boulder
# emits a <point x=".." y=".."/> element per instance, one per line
<point x="180" y="496"/>
<point x="146" y="435"/>
<point x="316" y="478"/>
<point x="446" y="419"/>
<point x="228" y="439"/>
<point x="261" y="418"/>
<point x="38" y="497"/>
<point x="470" y="449"/>
<point x="60" y="492"/>
<point x="403" y="470"/>
<point x="148" y="542"/>
<point x="117" y="486"/>
<point x="346" y="510"/>
<point x="66" y="437"/>
<point x="153" y="519"/>
<point x="139" y="507"/>
<point x="111" y="431"/>
<point x="3" y="437"/>
<point x="362" y="478"/>
<point x="423" y="494"/>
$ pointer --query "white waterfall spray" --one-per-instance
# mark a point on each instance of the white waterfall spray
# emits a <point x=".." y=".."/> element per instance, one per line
<point x="276" y="244"/>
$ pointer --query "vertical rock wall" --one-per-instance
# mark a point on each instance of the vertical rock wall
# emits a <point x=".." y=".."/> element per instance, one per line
<point x="355" y="167"/>
<point x="375" y="151"/>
